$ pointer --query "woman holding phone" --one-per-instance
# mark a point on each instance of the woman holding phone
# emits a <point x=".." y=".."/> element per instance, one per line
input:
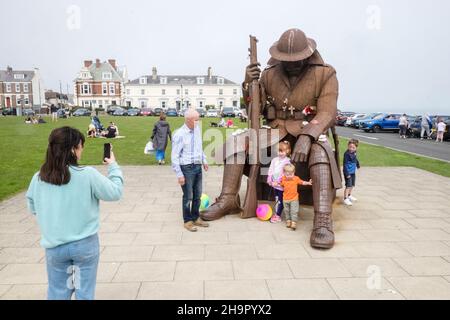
<point x="65" y="196"/>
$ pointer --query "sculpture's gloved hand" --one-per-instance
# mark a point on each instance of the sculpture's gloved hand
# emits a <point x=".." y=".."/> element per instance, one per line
<point x="301" y="149"/>
<point x="252" y="72"/>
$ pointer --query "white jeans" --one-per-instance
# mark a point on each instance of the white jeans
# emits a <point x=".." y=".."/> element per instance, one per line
<point x="427" y="129"/>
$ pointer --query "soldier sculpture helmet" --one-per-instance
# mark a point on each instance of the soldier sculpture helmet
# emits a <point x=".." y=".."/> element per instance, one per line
<point x="293" y="46"/>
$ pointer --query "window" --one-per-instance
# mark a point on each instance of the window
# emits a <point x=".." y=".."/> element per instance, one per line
<point x="106" y="75"/>
<point x="112" y="88"/>
<point x="19" y="76"/>
<point x="200" y="104"/>
<point x="186" y="91"/>
<point x="25" y="87"/>
<point x="235" y="91"/>
<point x="221" y="104"/>
<point x="178" y="91"/>
<point x="200" y="91"/>
<point x="8" y="87"/>
<point x="163" y="80"/>
<point x="235" y="103"/>
<point x="104" y="89"/>
<point x="17" y="87"/>
<point x="85" y="75"/>
<point x="143" y="92"/>
<point x="143" y="80"/>
<point x="163" y="92"/>
<point x="220" y="91"/>
<point x="200" y="80"/>
<point x="219" y="80"/>
<point x="26" y="101"/>
<point x="163" y="104"/>
<point x="128" y="92"/>
<point x="85" y="88"/>
<point x="143" y="104"/>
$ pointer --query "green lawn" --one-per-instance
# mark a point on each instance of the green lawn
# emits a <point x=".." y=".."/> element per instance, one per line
<point x="22" y="148"/>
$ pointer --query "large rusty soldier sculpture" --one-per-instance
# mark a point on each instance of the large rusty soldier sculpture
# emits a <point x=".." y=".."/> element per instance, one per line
<point x="298" y="97"/>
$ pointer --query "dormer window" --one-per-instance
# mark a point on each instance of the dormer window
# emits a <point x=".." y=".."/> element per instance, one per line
<point x="106" y="75"/>
<point x="85" y="75"/>
<point x="200" y="80"/>
<point x="19" y="76"/>
<point x="220" y="81"/>
<point x="163" y="80"/>
<point x="143" y="80"/>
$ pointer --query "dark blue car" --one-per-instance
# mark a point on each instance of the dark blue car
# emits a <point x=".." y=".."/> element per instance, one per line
<point x="384" y="121"/>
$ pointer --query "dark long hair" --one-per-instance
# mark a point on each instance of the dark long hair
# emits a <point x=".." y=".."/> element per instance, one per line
<point x="60" y="155"/>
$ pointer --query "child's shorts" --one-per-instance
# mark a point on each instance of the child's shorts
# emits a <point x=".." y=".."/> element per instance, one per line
<point x="350" y="182"/>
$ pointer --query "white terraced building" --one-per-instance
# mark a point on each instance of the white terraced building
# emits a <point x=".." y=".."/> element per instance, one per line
<point x="180" y="92"/>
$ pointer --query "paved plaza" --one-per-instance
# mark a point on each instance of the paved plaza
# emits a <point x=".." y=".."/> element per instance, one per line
<point x="393" y="244"/>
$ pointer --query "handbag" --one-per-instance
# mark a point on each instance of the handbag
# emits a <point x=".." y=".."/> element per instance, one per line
<point x="149" y="149"/>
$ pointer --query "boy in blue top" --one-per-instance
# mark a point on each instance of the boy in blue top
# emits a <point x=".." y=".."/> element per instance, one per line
<point x="351" y="163"/>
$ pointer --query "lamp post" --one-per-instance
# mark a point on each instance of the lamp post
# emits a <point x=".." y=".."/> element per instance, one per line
<point x="182" y="102"/>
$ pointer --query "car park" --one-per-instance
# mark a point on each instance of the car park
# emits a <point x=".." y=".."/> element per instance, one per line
<point x="228" y="112"/>
<point x="120" y="112"/>
<point x="357" y="122"/>
<point x="157" y="111"/>
<point x="212" y="113"/>
<point x="384" y="121"/>
<point x="147" y="112"/>
<point x="201" y="112"/>
<point x="172" y="112"/>
<point x="28" y="112"/>
<point x="82" y="112"/>
<point x="341" y="118"/>
<point x="351" y="120"/>
<point x="134" y="112"/>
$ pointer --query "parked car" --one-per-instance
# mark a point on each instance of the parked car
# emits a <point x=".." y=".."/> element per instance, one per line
<point x="147" y="112"/>
<point x="157" y="111"/>
<point x="237" y="111"/>
<point x="111" y="109"/>
<point x="120" y="112"/>
<point x="384" y="121"/>
<point x="61" y="113"/>
<point x="172" y="112"/>
<point x="341" y="118"/>
<point x="212" y="113"/>
<point x="28" y="112"/>
<point x="351" y="120"/>
<point x="357" y="122"/>
<point x="9" y="112"/>
<point x="82" y="112"/>
<point x="201" y="112"/>
<point x="134" y="112"/>
<point x="434" y="129"/>
<point x="228" y="112"/>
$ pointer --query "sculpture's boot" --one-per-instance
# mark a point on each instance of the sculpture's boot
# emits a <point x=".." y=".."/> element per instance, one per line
<point x="322" y="235"/>
<point x="228" y="202"/>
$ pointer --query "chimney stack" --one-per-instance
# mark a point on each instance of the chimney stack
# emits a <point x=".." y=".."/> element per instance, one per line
<point x="209" y="73"/>
<point x="154" y="73"/>
<point x="97" y="63"/>
<point x="9" y="69"/>
<point x="87" y="63"/>
<point x="112" y="62"/>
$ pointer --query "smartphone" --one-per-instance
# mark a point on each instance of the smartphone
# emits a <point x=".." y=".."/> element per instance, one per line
<point x="106" y="151"/>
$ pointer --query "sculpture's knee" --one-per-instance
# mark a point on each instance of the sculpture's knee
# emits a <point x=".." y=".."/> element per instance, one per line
<point x="318" y="155"/>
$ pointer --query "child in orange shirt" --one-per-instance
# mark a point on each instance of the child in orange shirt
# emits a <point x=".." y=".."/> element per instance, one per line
<point x="290" y="183"/>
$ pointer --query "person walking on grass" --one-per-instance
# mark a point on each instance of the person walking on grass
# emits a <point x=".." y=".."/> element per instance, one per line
<point x="160" y="136"/>
<point x="187" y="161"/>
<point x="351" y="163"/>
<point x="64" y="197"/>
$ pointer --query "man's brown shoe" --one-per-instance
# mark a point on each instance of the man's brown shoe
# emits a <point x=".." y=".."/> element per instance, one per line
<point x="190" y="226"/>
<point x="200" y="223"/>
<point x="293" y="225"/>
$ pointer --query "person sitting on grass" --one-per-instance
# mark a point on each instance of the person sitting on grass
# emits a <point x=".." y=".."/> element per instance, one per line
<point x="92" y="132"/>
<point x="112" y="131"/>
<point x="351" y="163"/>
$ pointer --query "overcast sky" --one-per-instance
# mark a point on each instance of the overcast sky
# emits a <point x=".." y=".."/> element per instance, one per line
<point x="391" y="55"/>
